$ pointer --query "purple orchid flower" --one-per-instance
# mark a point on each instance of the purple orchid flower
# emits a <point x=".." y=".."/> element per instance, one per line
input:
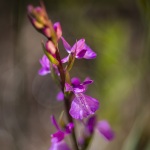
<point x="82" y="105"/>
<point x="91" y="125"/>
<point x="57" y="138"/>
<point x="61" y="133"/>
<point x="75" y="82"/>
<point x="102" y="126"/>
<point x="80" y="48"/>
<point x="45" y="69"/>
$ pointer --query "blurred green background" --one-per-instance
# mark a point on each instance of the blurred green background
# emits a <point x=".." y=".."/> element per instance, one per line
<point x="118" y="30"/>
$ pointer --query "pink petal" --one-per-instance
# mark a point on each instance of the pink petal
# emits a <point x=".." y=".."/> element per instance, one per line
<point x="75" y="81"/>
<point x="81" y="54"/>
<point x="64" y="60"/>
<point x="43" y="72"/>
<point x="90" y="54"/>
<point x="54" y="122"/>
<point x="78" y="46"/>
<point x="105" y="129"/>
<point x="66" y="45"/>
<point x="69" y="127"/>
<point x="57" y="137"/>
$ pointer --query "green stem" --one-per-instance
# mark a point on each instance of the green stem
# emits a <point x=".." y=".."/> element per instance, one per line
<point x="66" y="98"/>
<point x="67" y="106"/>
<point x="87" y="142"/>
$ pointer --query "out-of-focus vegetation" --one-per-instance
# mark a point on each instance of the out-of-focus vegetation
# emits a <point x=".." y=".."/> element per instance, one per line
<point x="119" y="31"/>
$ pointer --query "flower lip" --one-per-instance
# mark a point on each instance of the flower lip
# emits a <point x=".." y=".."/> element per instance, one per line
<point x="82" y="106"/>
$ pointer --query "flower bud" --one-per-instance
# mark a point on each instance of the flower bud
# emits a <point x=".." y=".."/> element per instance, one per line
<point x="37" y="16"/>
<point x="50" y="47"/>
<point x="47" y="32"/>
<point x="58" y="30"/>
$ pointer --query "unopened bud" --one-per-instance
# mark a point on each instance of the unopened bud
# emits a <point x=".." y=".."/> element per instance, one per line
<point x="37" y="16"/>
<point x="50" y="47"/>
<point x="47" y="32"/>
<point x="37" y="24"/>
<point x="58" y="30"/>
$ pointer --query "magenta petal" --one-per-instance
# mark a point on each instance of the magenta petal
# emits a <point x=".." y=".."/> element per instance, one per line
<point x="68" y="87"/>
<point x="78" y="46"/>
<point x="43" y="71"/>
<point x="82" y="106"/>
<point x="59" y="146"/>
<point x="60" y="96"/>
<point x="57" y="137"/>
<point x="87" y="82"/>
<point x="75" y="81"/>
<point x="105" y="129"/>
<point x="54" y="122"/>
<point x="90" y="54"/>
<point x="66" y="45"/>
<point x="69" y="127"/>
<point x="81" y="54"/>
<point x="66" y="59"/>
<point x="44" y="61"/>
<point x="92" y="103"/>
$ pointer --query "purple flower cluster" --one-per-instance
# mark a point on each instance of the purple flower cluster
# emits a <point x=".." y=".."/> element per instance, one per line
<point x="57" y="139"/>
<point x="81" y="106"/>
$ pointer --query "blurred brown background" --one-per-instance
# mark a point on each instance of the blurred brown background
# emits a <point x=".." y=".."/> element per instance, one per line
<point x="118" y="30"/>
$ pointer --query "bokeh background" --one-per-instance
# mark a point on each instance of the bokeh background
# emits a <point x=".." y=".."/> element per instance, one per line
<point x="118" y="30"/>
